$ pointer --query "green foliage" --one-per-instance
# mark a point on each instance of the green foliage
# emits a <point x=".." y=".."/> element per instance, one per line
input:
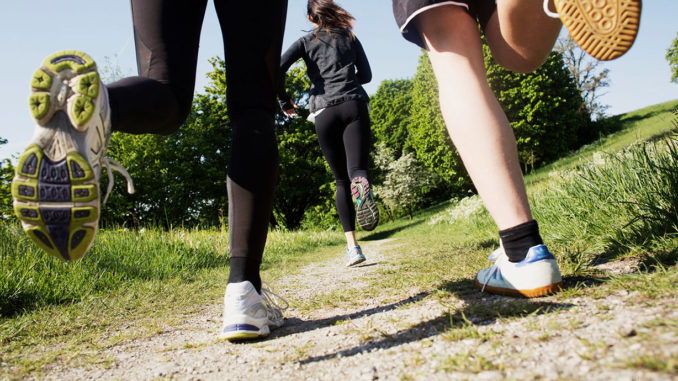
<point x="6" y="176"/>
<point x="428" y="135"/>
<point x="304" y="176"/>
<point x="390" y="110"/>
<point x="179" y="179"/>
<point x="672" y="57"/>
<point x="542" y="107"/>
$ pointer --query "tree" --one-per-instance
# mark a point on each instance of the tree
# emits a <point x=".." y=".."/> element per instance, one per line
<point x="180" y="179"/>
<point x="428" y="135"/>
<point x="6" y="176"/>
<point x="390" y="110"/>
<point x="672" y="57"/>
<point x="588" y="75"/>
<point x="542" y="106"/>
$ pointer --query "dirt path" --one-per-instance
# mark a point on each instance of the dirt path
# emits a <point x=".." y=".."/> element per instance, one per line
<point x="406" y="337"/>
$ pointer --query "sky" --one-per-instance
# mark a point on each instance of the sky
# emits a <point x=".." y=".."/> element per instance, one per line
<point x="31" y="30"/>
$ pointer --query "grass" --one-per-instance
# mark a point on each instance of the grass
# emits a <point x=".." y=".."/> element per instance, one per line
<point x="130" y="285"/>
<point x="641" y="125"/>
<point x="135" y="284"/>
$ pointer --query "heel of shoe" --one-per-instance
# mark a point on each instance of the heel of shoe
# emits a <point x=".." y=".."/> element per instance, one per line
<point x="68" y="81"/>
<point x="604" y="29"/>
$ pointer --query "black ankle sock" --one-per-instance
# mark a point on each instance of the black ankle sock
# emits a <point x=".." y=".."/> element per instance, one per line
<point x="518" y="239"/>
<point x="243" y="269"/>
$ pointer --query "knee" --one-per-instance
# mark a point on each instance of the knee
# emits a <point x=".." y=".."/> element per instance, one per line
<point x="341" y="183"/>
<point x="518" y="63"/>
<point x="521" y="61"/>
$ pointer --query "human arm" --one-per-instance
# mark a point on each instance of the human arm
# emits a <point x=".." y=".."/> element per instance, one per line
<point x="291" y="55"/>
<point x="364" y="73"/>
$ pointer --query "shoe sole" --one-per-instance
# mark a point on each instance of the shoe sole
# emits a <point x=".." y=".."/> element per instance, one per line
<point x="245" y="334"/>
<point x="360" y="260"/>
<point x="55" y="192"/>
<point x="367" y="212"/>
<point x="605" y="29"/>
<point x="533" y="293"/>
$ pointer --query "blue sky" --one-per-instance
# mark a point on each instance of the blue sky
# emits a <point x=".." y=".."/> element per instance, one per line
<point x="31" y="30"/>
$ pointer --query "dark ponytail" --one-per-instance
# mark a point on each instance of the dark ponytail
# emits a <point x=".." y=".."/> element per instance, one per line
<point x="328" y="15"/>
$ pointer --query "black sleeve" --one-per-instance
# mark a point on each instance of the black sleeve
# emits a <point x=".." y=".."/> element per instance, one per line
<point x="292" y="55"/>
<point x="364" y="72"/>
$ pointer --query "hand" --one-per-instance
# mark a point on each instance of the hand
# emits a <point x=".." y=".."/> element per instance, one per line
<point x="292" y="112"/>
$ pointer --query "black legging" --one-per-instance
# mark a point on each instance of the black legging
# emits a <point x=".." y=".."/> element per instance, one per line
<point x="167" y="35"/>
<point x="344" y="136"/>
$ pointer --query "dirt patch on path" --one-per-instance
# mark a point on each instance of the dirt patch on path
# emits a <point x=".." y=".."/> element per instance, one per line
<point x="418" y="334"/>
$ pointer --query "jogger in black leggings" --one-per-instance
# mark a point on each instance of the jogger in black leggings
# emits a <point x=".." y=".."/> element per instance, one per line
<point x="337" y="67"/>
<point x="167" y="34"/>
<point x="68" y="96"/>
<point x="344" y="133"/>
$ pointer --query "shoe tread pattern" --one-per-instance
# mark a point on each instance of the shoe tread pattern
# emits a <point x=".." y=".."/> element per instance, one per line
<point x="56" y="202"/>
<point x="368" y="211"/>
<point x="76" y="69"/>
<point x="605" y="29"/>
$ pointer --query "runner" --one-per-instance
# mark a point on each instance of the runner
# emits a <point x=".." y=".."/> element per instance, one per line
<point x="520" y="33"/>
<point x="56" y="187"/>
<point x="337" y="67"/>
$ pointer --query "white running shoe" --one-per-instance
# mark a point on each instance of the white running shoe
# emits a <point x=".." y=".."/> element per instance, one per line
<point x="248" y="314"/>
<point x="536" y="275"/>
<point x="56" y="185"/>
<point x="354" y="256"/>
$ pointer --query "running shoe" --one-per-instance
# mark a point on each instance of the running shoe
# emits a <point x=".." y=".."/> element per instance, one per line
<point x="605" y="29"/>
<point x="536" y="275"/>
<point x="368" y="212"/>
<point x="354" y="256"/>
<point x="250" y="315"/>
<point x="56" y="184"/>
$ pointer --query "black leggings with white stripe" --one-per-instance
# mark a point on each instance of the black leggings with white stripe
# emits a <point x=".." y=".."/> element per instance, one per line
<point x="167" y="35"/>
<point x="344" y="135"/>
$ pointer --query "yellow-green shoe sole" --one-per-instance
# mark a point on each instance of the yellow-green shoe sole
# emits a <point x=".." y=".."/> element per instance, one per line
<point x="56" y="202"/>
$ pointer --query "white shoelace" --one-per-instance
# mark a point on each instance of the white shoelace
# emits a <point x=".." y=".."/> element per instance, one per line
<point x="494" y="257"/>
<point x="548" y="12"/>
<point x="113" y="165"/>
<point x="273" y="309"/>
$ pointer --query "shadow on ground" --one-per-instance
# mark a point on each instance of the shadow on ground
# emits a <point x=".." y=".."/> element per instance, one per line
<point x="478" y="310"/>
<point x="388" y="233"/>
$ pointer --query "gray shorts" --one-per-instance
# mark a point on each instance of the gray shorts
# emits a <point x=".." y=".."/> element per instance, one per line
<point x="406" y="10"/>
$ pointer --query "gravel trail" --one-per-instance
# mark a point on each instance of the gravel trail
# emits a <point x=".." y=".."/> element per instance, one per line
<point x="406" y="337"/>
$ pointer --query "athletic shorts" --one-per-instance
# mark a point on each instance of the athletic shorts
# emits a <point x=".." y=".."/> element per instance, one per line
<point x="406" y="10"/>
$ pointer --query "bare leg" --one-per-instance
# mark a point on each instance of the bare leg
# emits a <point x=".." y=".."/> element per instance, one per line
<point x="521" y="35"/>
<point x="350" y="239"/>
<point x="476" y="123"/>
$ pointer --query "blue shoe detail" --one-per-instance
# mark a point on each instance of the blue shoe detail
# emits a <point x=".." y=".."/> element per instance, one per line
<point x="240" y="327"/>
<point x="354" y="255"/>
<point x="535" y="254"/>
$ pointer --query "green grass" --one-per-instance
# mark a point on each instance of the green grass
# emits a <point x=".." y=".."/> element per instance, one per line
<point x="637" y="126"/>
<point x="129" y="285"/>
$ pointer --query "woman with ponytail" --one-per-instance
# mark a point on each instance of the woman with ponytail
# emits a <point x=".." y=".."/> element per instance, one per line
<point x="337" y="67"/>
